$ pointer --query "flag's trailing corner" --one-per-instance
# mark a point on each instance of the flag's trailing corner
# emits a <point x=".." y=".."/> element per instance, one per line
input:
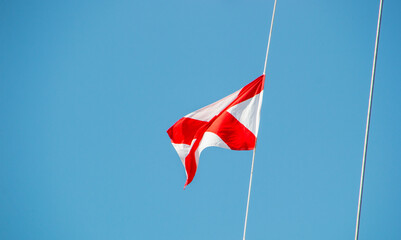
<point x="231" y="123"/>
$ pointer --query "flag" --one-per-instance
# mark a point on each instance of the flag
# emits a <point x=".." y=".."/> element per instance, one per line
<point x="232" y="123"/>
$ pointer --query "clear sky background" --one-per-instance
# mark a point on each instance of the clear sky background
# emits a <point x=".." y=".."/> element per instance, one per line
<point x="89" y="88"/>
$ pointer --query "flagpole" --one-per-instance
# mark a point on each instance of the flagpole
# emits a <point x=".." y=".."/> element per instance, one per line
<point x="372" y="82"/>
<point x="254" y="150"/>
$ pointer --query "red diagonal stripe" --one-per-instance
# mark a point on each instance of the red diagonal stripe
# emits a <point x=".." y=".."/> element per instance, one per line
<point x="250" y="90"/>
<point x="190" y="161"/>
<point x="232" y="132"/>
<point x="184" y="130"/>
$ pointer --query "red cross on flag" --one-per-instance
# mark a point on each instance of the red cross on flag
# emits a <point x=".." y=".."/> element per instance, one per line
<point x="232" y="123"/>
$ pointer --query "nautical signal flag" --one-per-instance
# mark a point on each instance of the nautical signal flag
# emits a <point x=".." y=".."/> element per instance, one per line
<point x="232" y="123"/>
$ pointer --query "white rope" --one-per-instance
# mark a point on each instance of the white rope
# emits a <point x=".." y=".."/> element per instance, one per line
<point x="372" y="82"/>
<point x="254" y="150"/>
<point x="249" y="192"/>
<point x="270" y="34"/>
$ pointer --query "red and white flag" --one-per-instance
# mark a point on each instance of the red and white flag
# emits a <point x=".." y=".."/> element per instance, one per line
<point x="232" y="123"/>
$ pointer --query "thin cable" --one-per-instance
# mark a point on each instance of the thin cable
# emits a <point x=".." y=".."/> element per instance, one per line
<point x="365" y="148"/>
<point x="254" y="150"/>
<point x="249" y="192"/>
<point x="270" y="34"/>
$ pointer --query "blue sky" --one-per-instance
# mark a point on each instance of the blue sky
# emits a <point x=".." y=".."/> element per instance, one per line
<point x="89" y="88"/>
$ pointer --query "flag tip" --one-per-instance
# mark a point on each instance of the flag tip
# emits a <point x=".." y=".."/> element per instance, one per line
<point x="186" y="184"/>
